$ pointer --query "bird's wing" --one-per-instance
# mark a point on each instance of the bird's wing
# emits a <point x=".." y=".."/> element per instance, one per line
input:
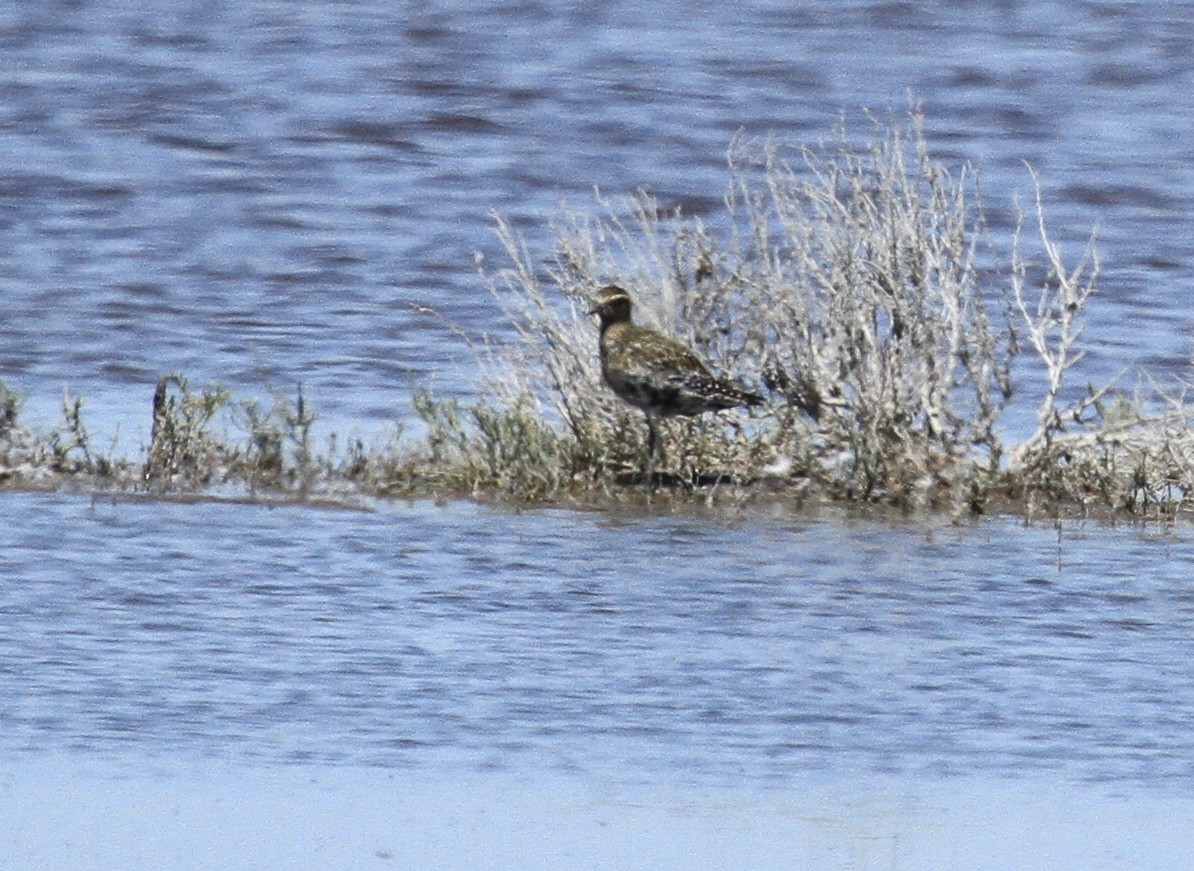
<point x="659" y="354"/>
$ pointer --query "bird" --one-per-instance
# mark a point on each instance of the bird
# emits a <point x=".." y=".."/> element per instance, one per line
<point x="656" y="373"/>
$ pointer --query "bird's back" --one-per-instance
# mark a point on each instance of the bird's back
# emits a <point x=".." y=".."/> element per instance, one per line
<point x="661" y="376"/>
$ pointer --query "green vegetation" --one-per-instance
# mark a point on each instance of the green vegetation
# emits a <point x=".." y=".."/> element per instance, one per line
<point x="856" y="285"/>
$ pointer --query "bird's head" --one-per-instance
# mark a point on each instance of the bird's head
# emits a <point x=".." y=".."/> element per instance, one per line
<point x="612" y="305"/>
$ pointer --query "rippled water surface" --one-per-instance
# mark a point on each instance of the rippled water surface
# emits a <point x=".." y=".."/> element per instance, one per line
<point x="679" y="648"/>
<point x="550" y="688"/>
<point x="256" y="192"/>
<point x="259" y="193"/>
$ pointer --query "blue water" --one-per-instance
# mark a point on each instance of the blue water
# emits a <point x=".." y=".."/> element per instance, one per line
<point x="260" y="193"/>
<point x="255" y="193"/>
<point x="647" y="648"/>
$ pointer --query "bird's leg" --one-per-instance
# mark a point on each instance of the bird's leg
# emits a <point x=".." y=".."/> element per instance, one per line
<point x="652" y="449"/>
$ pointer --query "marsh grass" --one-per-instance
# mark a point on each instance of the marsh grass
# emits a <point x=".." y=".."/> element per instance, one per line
<point x="855" y="284"/>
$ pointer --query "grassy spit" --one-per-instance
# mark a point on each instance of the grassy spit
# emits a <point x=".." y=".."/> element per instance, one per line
<point x="856" y="285"/>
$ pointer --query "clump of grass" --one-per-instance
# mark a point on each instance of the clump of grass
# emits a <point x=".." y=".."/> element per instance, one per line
<point x="10" y="407"/>
<point x="1130" y="454"/>
<point x="279" y="453"/>
<point x="70" y="443"/>
<point x="45" y="459"/>
<point x="1103" y="449"/>
<point x="479" y="450"/>
<point x="15" y="448"/>
<point x="189" y="449"/>
<point x="183" y="449"/>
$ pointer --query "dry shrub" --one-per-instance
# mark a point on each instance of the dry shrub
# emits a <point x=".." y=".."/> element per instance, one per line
<point x="860" y="269"/>
<point x="844" y="280"/>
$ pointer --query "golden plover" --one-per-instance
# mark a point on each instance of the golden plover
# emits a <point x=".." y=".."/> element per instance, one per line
<point x="655" y="373"/>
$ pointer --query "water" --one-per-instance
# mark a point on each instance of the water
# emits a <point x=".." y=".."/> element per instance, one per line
<point x="873" y="689"/>
<point x="424" y="635"/>
<point x="256" y="193"/>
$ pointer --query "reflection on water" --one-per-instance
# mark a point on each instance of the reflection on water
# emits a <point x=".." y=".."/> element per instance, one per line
<point x="632" y="648"/>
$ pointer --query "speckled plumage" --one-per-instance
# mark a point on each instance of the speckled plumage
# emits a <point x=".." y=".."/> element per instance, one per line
<point x="657" y="374"/>
<point x="653" y="372"/>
